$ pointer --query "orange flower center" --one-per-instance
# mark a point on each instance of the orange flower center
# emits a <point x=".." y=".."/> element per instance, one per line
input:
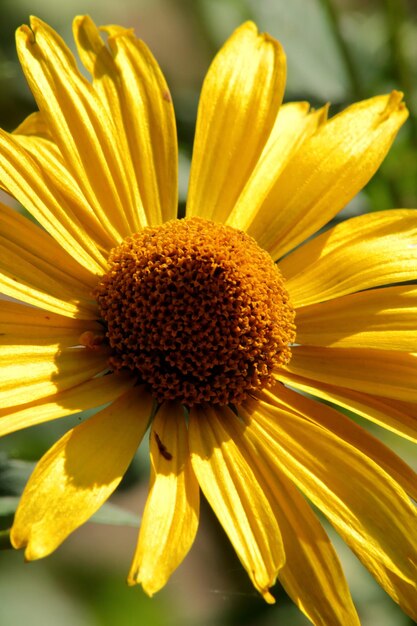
<point x="197" y="310"/>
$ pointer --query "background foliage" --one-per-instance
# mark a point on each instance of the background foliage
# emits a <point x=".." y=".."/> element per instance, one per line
<point x="338" y="51"/>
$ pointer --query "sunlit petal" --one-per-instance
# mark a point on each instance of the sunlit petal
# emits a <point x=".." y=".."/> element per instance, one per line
<point x="294" y="124"/>
<point x="312" y="574"/>
<point x="78" y="474"/>
<point x="328" y="172"/>
<point x="369" y="510"/>
<point x="79" y="125"/>
<point x="35" y="269"/>
<point x="396" y="415"/>
<point x="93" y="393"/>
<point x="347" y="430"/>
<point x="353" y="256"/>
<point x="238" y="106"/>
<point x="378" y="318"/>
<point x="35" y="374"/>
<point x="236" y="497"/>
<point x="379" y="372"/>
<point x="170" y="519"/>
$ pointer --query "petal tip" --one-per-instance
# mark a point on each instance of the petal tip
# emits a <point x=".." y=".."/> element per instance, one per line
<point x="16" y="540"/>
<point x="268" y="597"/>
<point x="21" y="541"/>
<point x="79" y="21"/>
<point x="25" y="33"/>
<point x="35" y="22"/>
<point x="394" y="104"/>
<point x="132" y="579"/>
<point x="150" y="587"/>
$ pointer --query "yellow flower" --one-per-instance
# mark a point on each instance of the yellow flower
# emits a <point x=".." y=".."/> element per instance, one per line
<point x="190" y="323"/>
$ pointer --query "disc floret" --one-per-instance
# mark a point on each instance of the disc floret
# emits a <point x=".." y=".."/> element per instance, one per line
<point x="197" y="310"/>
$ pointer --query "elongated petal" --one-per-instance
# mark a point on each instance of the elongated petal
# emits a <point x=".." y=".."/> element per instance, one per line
<point x="367" y="507"/>
<point x="18" y="339"/>
<point x="34" y="135"/>
<point x="19" y="319"/>
<point x="347" y="430"/>
<point x="170" y="519"/>
<point x="312" y="574"/>
<point x="48" y="158"/>
<point x="23" y="178"/>
<point x="35" y="269"/>
<point x="78" y="474"/>
<point x="24" y="233"/>
<point x="133" y="89"/>
<point x="380" y="372"/>
<point x="238" y="106"/>
<point x="331" y="168"/>
<point x="79" y="124"/>
<point x="379" y="318"/>
<point x="27" y="330"/>
<point x="293" y="126"/>
<point x="98" y="61"/>
<point x="87" y="395"/>
<point x="236" y="497"/>
<point x="34" y="124"/>
<point x="37" y="374"/>
<point x="371" y="250"/>
<point x="395" y="415"/>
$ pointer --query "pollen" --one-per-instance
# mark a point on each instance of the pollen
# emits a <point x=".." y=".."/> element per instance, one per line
<point x="197" y="310"/>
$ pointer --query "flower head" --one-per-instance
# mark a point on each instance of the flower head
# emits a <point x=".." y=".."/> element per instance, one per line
<point x="209" y="326"/>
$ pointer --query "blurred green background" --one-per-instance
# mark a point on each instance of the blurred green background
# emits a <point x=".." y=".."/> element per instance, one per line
<point x="338" y="51"/>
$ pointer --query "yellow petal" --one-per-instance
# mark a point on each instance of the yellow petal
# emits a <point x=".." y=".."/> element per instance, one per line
<point x="395" y="415"/>
<point x="366" y="506"/>
<point x="347" y="430"/>
<point x="23" y="178"/>
<point x="48" y="158"/>
<point x="87" y="395"/>
<point x="35" y="269"/>
<point x="79" y="124"/>
<point x="25" y="335"/>
<point x="236" y="497"/>
<point x="293" y="126"/>
<point x="380" y="372"/>
<point x="379" y="318"/>
<point x="18" y="319"/>
<point x="34" y="136"/>
<point x="170" y="519"/>
<point x="371" y="250"/>
<point x="107" y="83"/>
<point x="312" y="574"/>
<point x="34" y="375"/>
<point x="331" y="168"/>
<point x="133" y="90"/>
<point x="78" y="474"/>
<point x="238" y="106"/>
<point x="25" y="181"/>
<point x="34" y="124"/>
